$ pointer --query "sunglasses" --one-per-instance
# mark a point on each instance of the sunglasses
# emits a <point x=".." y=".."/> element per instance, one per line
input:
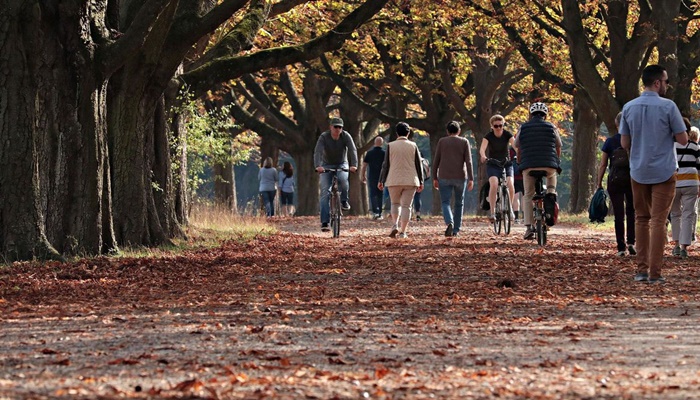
<point x="337" y="126"/>
<point x="498" y="126"/>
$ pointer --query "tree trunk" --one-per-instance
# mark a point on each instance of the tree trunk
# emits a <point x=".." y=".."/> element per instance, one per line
<point x="583" y="164"/>
<point x="53" y="153"/>
<point x="224" y="186"/>
<point x="307" y="182"/>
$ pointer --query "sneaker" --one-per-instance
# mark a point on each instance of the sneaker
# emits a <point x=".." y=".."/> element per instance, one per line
<point x="677" y="250"/>
<point x="403" y="235"/>
<point x="417" y="217"/>
<point x="529" y="233"/>
<point x="455" y="233"/>
<point x="325" y="227"/>
<point x="345" y="205"/>
<point x="632" y="250"/>
<point x="375" y="217"/>
<point x="394" y="231"/>
<point x="660" y="279"/>
<point x="492" y="217"/>
<point x="450" y="230"/>
<point x="517" y="221"/>
<point x="621" y="253"/>
<point x="641" y="277"/>
<point x="684" y="253"/>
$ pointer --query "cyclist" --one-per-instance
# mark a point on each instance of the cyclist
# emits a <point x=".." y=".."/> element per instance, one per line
<point x="538" y="148"/>
<point x="497" y="142"/>
<point x="333" y="149"/>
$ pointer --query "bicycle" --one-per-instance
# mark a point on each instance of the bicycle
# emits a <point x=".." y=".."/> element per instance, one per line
<point x="538" y="207"/>
<point x="336" y="210"/>
<point x="503" y="207"/>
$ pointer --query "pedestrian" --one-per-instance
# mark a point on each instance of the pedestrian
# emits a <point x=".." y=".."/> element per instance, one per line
<point x="371" y="169"/>
<point x="286" y="180"/>
<point x="615" y="159"/>
<point x="452" y="172"/>
<point x="684" y="214"/>
<point x="333" y="149"/>
<point x="538" y="148"/>
<point x="518" y="188"/>
<point x="402" y="174"/>
<point x="497" y="142"/>
<point x="649" y="125"/>
<point x="268" y="181"/>
<point x="417" y="202"/>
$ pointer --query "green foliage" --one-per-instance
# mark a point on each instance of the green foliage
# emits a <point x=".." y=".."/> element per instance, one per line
<point x="209" y="141"/>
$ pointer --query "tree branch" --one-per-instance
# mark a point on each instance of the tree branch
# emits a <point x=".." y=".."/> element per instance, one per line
<point x="228" y="68"/>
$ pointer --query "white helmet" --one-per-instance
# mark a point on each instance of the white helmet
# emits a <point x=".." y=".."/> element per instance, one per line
<point x="539" y="107"/>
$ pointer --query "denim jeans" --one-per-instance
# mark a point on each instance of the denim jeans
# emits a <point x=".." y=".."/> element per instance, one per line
<point x="376" y="197"/>
<point x="447" y="187"/>
<point x="269" y="201"/>
<point x="326" y="180"/>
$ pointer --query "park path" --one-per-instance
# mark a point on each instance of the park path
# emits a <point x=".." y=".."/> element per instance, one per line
<point x="301" y="315"/>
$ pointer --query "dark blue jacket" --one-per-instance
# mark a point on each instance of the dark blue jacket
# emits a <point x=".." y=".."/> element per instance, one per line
<point x="537" y="143"/>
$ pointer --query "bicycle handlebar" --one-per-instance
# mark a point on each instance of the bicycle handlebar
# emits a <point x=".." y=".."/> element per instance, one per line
<point x="502" y="164"/>
<point x="326" y="170"/>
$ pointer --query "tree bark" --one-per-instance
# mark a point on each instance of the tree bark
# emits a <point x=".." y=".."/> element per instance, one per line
<point x="583" y="164"/>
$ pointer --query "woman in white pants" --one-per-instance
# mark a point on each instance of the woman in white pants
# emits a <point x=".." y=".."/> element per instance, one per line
<point x="684" y="209"/>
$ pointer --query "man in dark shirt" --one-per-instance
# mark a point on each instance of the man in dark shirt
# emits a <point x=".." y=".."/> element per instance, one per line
<point x="371" y="168"/>
<point x="332" y="151"/>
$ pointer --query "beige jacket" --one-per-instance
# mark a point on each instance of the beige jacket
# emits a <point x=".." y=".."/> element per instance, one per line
<point x="402" y="164"/>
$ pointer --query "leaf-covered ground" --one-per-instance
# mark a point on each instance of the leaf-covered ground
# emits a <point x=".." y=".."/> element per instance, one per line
<point x="302" y="315"/>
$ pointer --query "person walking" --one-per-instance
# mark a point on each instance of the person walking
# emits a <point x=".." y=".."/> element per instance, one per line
<point x="518" y="188"/>
<point x="615" y="159"/>
<point x="286" y="186"/>
<point x="332" y="151"/>
<point x="497" y="142"/>
<point x="402" y="174"/>
<point x="649" y="125"/>
<point x="417" y="201"/>
<point x="684" y="213"/>
<point x="538" y="148"/>
<point x="371" y="169"/>
<point x="268" y="181"/>
<point x="452" y="172"/>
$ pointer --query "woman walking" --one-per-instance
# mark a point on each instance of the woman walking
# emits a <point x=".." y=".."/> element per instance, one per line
<point x="402" y="174"/>
<point x="286" y="180"/>
<point x="684" y="209"/>
<point x="268" y="180"/>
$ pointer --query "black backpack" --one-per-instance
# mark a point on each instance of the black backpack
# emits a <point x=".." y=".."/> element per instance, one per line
<point x="598" y="209"/>
<point x="619" y="174"/>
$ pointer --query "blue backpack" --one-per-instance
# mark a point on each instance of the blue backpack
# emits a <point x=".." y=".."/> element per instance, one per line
<point x="598" y="209"/>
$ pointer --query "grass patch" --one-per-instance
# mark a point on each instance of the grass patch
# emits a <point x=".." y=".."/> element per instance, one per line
<point x="583" y="221"/>
<point x="209" y="226"/>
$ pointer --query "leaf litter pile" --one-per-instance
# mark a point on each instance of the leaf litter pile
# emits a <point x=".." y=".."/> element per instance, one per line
<point x="302" y="315"/>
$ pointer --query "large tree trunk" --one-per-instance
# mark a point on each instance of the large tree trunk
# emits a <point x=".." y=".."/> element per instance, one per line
<point x="53" y="152"/>
<point x="583" y="164"/>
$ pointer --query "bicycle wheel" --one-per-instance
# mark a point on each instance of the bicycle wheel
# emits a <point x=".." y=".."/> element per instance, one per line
<point x="497" y="217"/>
<point x="541" y="232"/>
<point x="335" y="214"/>
<point x="507" y="221"/>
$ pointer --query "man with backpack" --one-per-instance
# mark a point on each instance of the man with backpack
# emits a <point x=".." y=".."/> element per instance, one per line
<point x="619" y="189"/>
<point x="538" y="148"/>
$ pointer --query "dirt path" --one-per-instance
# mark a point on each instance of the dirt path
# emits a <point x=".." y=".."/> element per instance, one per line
<point x="301" y="315"/>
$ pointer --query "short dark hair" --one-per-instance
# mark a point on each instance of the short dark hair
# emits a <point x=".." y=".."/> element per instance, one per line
<point x="402" y="129"/>
<point x="652" y="73"/>
<point x="453" y="127"/>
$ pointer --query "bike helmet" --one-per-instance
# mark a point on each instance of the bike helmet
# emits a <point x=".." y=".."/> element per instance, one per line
<point x="539" y="107"/>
